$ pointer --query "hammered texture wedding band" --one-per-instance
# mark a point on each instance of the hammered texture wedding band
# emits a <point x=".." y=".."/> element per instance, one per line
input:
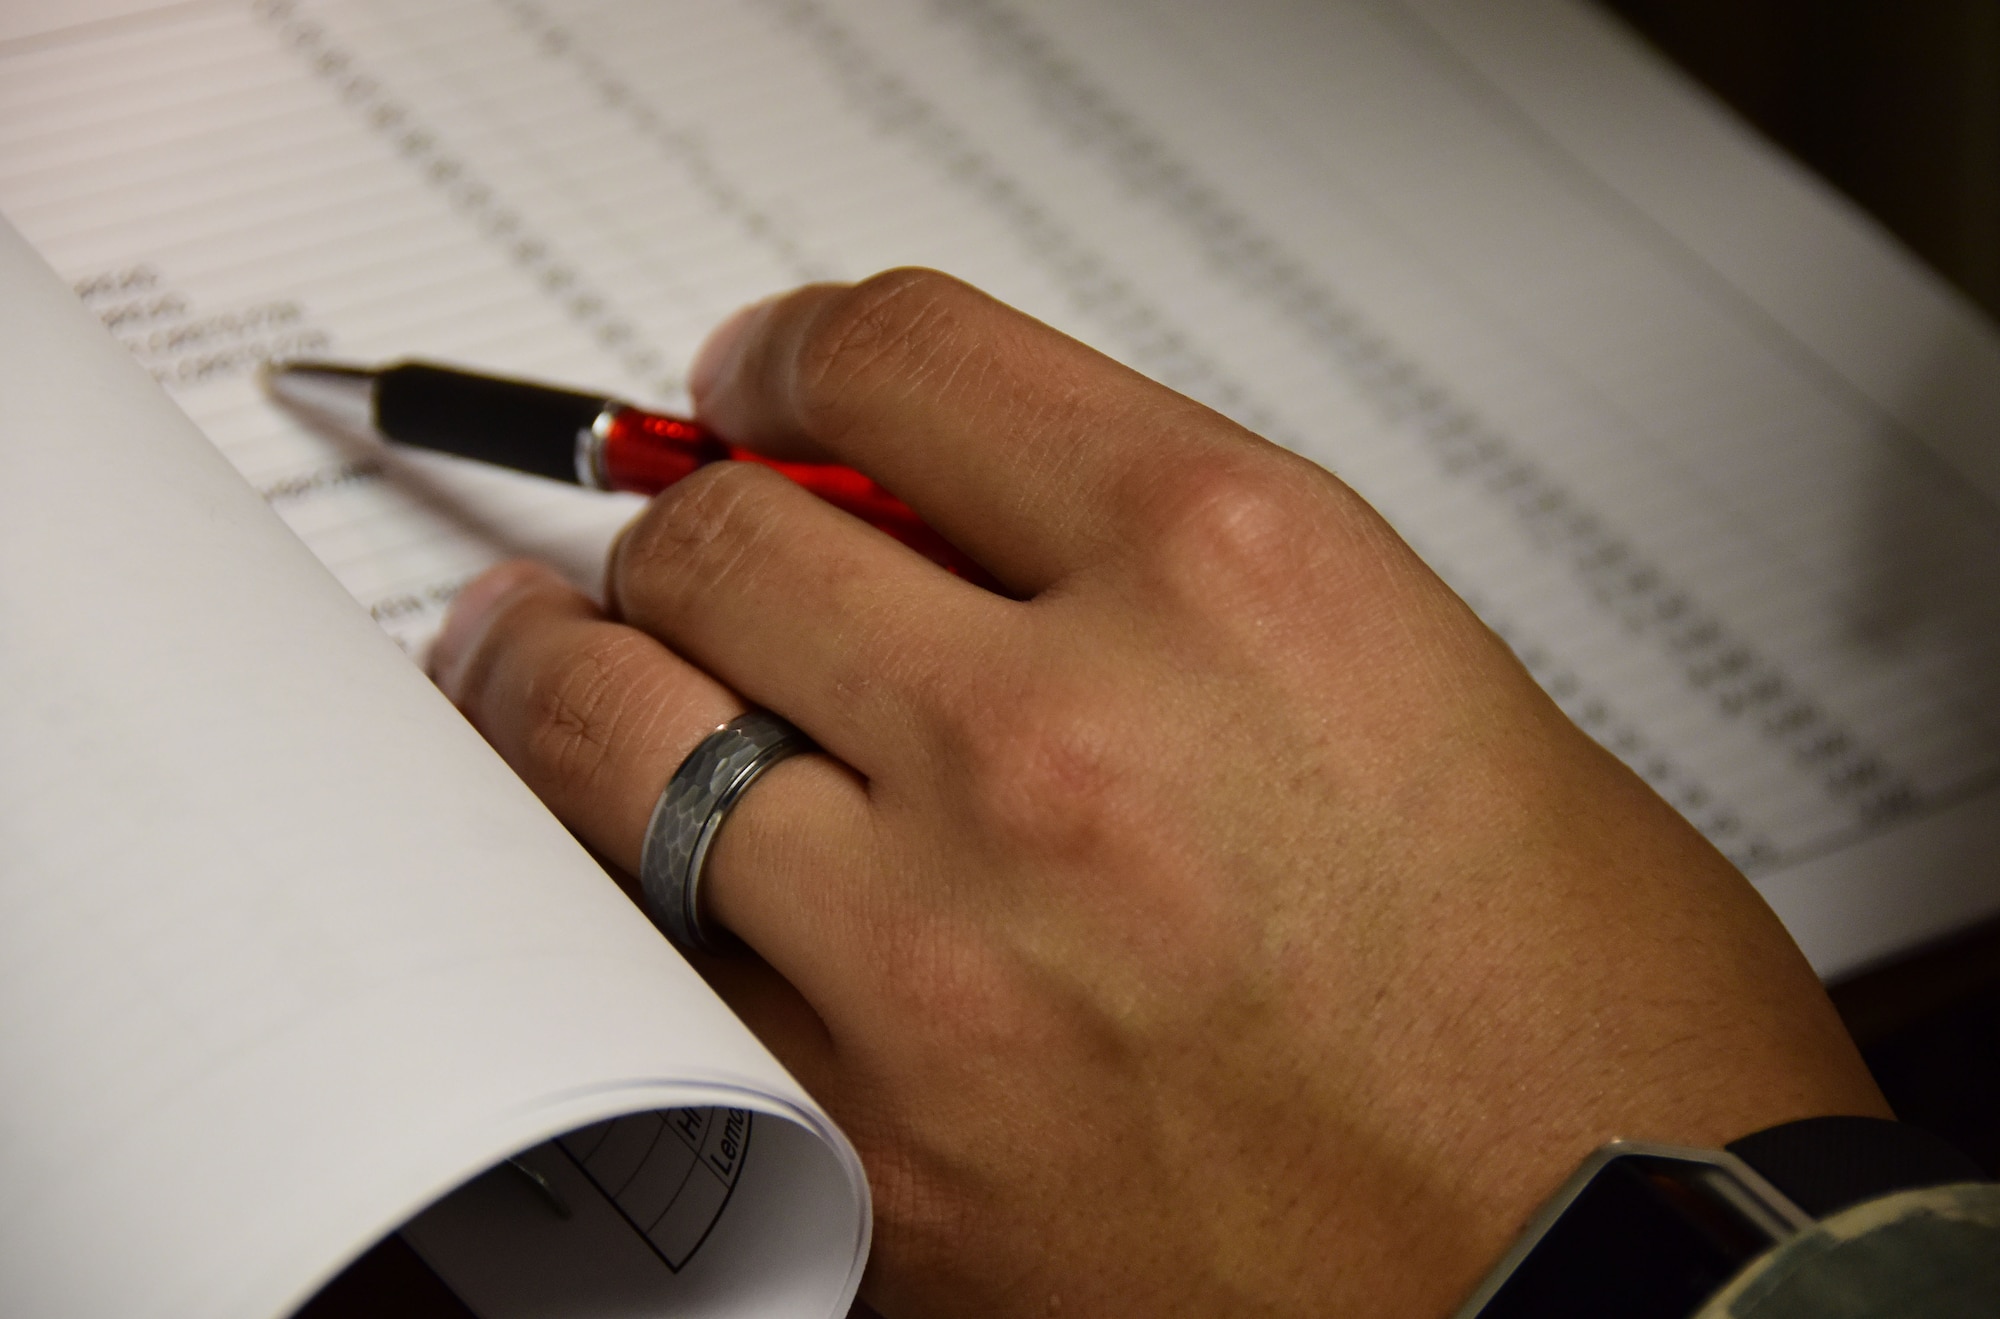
<point x="698" y="798"/>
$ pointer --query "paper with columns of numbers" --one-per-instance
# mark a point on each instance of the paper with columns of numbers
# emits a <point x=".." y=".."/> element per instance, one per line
<point x="1706" y="450"/>
<point x="1703" y="448"/>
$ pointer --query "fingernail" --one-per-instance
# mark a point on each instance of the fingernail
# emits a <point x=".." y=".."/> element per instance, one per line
<point x="715" y="360"/>
<point x="472" y="612"/>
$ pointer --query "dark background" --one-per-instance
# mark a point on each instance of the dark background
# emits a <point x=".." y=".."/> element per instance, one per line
<point x="1894" y="102"/>
<point x="1898" y="106"/>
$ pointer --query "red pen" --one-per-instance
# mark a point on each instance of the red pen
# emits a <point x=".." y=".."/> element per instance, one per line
<point x="584" y="439"/>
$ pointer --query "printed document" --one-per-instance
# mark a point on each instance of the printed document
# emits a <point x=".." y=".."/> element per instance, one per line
<point x="1707" y="451"/>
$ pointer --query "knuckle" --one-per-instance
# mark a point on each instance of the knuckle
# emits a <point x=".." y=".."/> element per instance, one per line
<point x="868" y="335"/>
<point x="577" y="707"/>
<point x="696" y="528"/>
<point x="1232" y="529"/>
<point x="1249" y="541"/>
<point x="1050" y="777"/>
<point x="706" y="509"/>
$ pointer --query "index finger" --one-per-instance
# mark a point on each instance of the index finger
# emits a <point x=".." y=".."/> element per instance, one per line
<point x="1026" y="449"/>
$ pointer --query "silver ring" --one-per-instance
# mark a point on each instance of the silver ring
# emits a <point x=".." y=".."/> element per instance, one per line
<point x="696" y="801"/>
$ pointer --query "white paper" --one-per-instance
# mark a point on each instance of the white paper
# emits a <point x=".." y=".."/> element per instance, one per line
<point x="285" y="950"/>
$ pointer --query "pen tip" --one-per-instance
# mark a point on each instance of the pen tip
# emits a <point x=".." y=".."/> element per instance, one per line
<point x="329" y="393"/>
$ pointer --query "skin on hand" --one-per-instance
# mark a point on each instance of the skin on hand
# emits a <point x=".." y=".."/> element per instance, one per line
<point x="1224" y="924"/>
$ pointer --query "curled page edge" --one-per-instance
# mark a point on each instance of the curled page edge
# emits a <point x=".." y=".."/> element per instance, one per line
<point x="485" y="1274"/>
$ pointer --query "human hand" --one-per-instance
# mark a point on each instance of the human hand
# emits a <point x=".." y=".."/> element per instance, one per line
<point x="1224" y="924"/>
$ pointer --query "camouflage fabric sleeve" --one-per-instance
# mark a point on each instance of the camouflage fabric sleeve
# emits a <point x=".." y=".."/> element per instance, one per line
<point x="1925" y="1254"/>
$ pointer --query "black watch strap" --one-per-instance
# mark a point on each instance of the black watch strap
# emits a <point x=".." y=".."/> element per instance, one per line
<point x="1825" y="1164"/>
<point x="1651" y="1232"/>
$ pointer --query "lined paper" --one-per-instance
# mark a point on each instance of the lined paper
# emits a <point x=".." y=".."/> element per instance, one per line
<point x="1760" y="587"/>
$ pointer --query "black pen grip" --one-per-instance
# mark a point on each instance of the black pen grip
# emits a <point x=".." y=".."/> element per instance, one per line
<point x="530" y="428"/>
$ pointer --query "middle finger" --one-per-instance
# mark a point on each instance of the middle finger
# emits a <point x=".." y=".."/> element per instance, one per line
<point x="802" y="608"/>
